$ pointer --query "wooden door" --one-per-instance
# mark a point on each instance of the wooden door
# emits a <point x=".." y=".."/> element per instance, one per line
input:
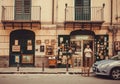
<point x="22" y="48"/>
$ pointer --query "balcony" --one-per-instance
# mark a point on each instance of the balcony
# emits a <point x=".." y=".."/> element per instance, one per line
<point x="83" y="17"/>
<point x="29" y="18"/>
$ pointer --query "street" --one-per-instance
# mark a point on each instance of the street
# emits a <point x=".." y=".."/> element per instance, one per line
<point x="54" y="79"/>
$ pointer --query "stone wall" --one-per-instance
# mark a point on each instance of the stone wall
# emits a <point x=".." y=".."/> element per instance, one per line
<point x="4" y="61"/>
<point x="39" y="60"/>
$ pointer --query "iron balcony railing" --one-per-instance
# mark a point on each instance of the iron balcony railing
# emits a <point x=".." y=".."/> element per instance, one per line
<point x="84" y="13"/>
<point x="31" y="14"/>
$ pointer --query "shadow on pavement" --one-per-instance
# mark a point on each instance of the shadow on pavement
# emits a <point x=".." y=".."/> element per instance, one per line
<point x="102" y="77"/>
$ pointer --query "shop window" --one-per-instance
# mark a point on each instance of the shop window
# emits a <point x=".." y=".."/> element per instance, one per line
<point x="76" y="46"/>
<point x="101" y="47"/>
<point x="63" y="44"/>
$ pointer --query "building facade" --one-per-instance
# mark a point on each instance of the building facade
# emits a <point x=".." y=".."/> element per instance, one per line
<point x="42" y="31"/>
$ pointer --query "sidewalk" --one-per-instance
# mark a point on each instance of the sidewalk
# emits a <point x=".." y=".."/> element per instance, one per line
<point x="34" y="70"/>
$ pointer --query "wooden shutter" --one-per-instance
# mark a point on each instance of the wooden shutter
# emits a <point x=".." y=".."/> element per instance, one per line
<point x="27" y="5"/>
<point x="22" y="9"/>
<point x="78" y="2"/>
<point x="82" y="9"/>
<point x="18" y="6"/>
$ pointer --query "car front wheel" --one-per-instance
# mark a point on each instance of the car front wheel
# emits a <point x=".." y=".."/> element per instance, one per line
<point x="115" y="73"/>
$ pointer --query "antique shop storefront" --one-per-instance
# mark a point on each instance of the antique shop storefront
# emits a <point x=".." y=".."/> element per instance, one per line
<point x="77" y="41"/>
<point x="29" y="48"/>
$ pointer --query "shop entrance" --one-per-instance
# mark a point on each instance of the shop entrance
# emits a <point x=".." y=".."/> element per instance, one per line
<point x="22" y="48"/>
<point x="79" y="40"/>
<point x="78" y="46"/>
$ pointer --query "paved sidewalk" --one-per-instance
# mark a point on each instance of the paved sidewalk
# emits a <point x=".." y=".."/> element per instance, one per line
<point x="34" y="70"/>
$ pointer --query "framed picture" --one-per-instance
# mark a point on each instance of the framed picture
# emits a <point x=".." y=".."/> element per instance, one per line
<point x="16" y="42"/>
<point x="38" y="42"/>
<point x="61" y="39"/>
<point x="49" y="50"/>
<point x="117" y="45"/>
<point x="16" y="48"/>
<point x="17" y="58"/>
<point x="42" y="48"/>
<point x="29" y="42"/>
<point x="46" y="41"/>
<point x="29" y="47"/>
<point x="27" y="58"/>
<point x="53" y="42"/>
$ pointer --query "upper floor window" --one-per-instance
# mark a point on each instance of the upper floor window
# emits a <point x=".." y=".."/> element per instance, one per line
<point x="22" y="9"/>
<point x="82" y="10"/>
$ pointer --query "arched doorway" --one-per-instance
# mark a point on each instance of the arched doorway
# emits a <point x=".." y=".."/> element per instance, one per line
<point x="22" y="48"/>
<point x="79" y="40"/>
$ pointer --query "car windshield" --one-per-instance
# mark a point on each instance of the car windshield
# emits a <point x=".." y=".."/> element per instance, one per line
<point x="117" y="57"/>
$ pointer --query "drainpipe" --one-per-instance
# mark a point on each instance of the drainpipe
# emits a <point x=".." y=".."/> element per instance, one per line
<point x="111" y="25"/>
<point x="53" y="11"/>
<point x="65" y="10"/>
<point x="111" y="20"/>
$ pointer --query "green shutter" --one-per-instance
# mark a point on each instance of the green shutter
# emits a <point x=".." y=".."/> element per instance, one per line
<point x="82" y="10"/>
<point x="22" y="9"/>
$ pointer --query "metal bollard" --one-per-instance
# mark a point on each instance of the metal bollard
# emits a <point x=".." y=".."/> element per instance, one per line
<point x="18" y="66"/>
<point x="42" y="66"/>
<point x="67" y="65"/>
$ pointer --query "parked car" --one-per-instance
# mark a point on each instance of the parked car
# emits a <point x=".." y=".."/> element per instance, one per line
<point x="110" y="67"/>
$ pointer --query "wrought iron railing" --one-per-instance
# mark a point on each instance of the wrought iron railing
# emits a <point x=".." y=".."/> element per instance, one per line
<point x="9" y="13"/>
<point x="84" y="13"/>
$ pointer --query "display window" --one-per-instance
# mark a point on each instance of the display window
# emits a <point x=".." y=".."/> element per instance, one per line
<point x="101" y="47"/>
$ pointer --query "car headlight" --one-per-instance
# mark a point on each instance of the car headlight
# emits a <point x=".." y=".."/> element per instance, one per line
<point x="104" y="66"/>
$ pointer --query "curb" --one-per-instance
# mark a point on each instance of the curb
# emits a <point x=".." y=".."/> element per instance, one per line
<point x="43" y="73"/>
